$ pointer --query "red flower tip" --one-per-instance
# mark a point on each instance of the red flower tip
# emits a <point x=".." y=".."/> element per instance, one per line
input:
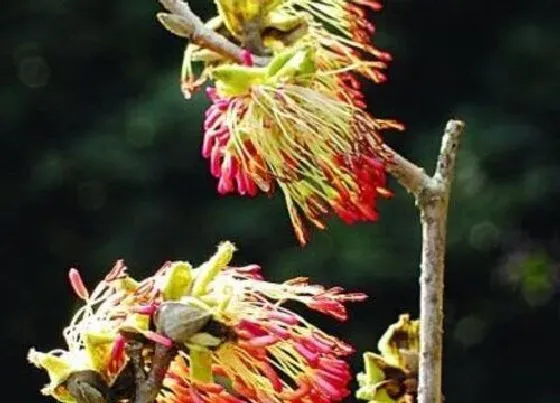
<point x="247" y="58"/>
<point x="302" y="390"/>
<point x="386" y="57"/>
<point x="117" y="353"/>
<point x="144" y="309"/>
<point x="77" y="284"/>
<point x="158" y="338"/>
<point x="258" y="342"/>
<point x="372" y="4"/>
<point x="311" y="357"/>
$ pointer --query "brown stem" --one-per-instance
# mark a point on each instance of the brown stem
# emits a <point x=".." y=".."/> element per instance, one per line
<point x="433" y="203"/>
<point x="134" y="351"/>
<point x="183" y="22"/>
<point x="410" y="176"/>
<point x="147" y="391"/>
<point x="432" y="199"/>
<point x="148" y="385"/>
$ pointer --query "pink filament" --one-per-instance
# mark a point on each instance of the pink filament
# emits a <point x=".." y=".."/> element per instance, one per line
<point x="77" y="284"/>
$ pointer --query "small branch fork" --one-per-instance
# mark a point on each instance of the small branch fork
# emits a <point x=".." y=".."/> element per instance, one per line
<point x="134" y="383"/>
<point x="432" y="199"/>
<point x="431" y="194"/>
<point x="148" y="385"/>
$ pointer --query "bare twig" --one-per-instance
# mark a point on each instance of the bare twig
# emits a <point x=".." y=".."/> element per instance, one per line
<point x="432" y="199"/>
<point x="410" y="176"/>
<point x="134" y="350"/>
<point x="183" y="22"/>
<point x="148" y="385"/>
<point x="148" y="390"/>
<point x="433" y="205"/>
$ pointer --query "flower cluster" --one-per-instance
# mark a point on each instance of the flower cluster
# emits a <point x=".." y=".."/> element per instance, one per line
<point x="299" y="122"/>
<point x="392" y="376"/>
<point x="230" y="336"/>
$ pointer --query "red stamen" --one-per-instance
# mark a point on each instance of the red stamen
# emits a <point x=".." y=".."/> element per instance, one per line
<point x="77" y="284"/>
<point x="117" y="353"/>
<point x="247" y="58"/>
<point x="158" y="338"/>
<point x="215" y="166"/>
<point x="303" y="390"/>
<point x="279" y="331"/>
<point x="289" y="319"/>
<point x="241" y="388"/>
<point x="145" y="309"/>
<point x="229" y="398"/>
<point x="259" y="342"/>
<point x="311" y="357"/>
<point x="209" y="387"/>
<point x="195" y="396"/>
<point x="118" y="271"/>
<point x="251" y="269"/>
<point x="272" y="376"/>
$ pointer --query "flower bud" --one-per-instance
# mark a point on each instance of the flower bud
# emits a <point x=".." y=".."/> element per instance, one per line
<point x="177" y="281"/>
<point x="179" y="321"/>
<point x="87" y="387"/>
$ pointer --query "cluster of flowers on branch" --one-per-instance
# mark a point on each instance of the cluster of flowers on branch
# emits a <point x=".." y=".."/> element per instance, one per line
<point x="299" y="122"/>
<point x="287" y="111"/>
<point x="214" y="333"/>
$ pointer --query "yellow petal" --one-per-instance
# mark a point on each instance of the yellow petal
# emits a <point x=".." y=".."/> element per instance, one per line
<point x="373" y="365"/>
<point x="300" y="63"/>
<point x="205" y="339"/>
<point x="59" y="368"/>
<point x="209" y="270"/>
<point x="127" y="284"/>
<point x="233" y="80"/>
<point x="237" y="13"/>
<point x="98" y="346"/>
<point x="136" y="323"/>
<point x="402" y="335"/>
<point x="200" y="359"/>
<point x="177" y="282"/>
<point x="283" y="21"/>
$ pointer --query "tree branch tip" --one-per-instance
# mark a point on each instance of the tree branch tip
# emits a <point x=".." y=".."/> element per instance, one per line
<point x="175" y="24"/>
<point x="455" y="125"/>
<point x="163" y="18"/>
<point x="170" y="3"/>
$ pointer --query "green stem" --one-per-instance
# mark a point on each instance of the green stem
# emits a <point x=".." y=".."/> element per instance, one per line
<point x="201" y="364"/>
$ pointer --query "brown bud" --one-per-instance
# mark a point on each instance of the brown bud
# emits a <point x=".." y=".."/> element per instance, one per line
<point x="87" y="387"/>
<point x="179" y="321"/>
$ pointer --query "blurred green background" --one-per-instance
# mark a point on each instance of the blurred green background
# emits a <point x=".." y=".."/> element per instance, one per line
<point x="100" y="160"/>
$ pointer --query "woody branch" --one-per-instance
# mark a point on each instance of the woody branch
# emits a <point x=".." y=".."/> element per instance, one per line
<point x="432" y="199"/>
<point x="182" y="22"/>
<point x="431" y="194"/>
